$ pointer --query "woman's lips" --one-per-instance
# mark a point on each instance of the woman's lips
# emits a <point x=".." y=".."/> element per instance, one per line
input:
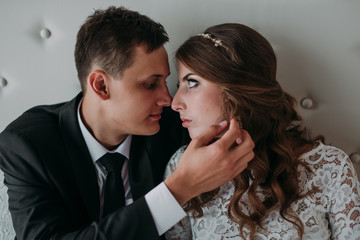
<point x="185" y="122"/>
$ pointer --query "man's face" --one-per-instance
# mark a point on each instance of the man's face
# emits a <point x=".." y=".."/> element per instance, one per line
<point x="138" y="96"/>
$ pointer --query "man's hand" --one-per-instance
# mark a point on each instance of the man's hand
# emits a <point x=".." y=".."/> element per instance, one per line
<point x="204" y="167"/>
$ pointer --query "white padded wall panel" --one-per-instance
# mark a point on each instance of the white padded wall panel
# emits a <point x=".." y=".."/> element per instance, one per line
<point x="38" y="71"/>
<point x="317" y="43"/>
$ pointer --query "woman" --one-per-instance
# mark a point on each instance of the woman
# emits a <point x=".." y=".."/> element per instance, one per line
<point x="296" y="187"/>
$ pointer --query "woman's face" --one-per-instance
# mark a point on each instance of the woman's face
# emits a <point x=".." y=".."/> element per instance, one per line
<point x="198" y="101"/>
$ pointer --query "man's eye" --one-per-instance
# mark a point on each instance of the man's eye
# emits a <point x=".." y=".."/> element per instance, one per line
<point x="150" y="85"/>
<point x="192" y="83"/>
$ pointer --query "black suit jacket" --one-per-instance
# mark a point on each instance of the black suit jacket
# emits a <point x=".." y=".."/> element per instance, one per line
<point x="53" y="190"/>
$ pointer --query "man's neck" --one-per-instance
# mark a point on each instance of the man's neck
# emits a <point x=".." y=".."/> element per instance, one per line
<point x="96" y="124"/>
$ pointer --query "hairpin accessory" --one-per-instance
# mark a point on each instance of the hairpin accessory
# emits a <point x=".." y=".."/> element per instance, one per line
<point x="217" y="42"/>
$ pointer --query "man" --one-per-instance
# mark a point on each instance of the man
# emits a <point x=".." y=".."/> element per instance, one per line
<point x="52" y="155"/>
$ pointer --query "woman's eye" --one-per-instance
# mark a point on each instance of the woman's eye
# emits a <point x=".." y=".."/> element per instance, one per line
<point x="192" y="83"/>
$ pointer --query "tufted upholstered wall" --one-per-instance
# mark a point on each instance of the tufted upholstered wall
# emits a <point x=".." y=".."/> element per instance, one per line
<point x="317" y="44"/>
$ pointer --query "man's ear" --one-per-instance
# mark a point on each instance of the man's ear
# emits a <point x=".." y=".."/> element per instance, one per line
<point x="98" y="83"/>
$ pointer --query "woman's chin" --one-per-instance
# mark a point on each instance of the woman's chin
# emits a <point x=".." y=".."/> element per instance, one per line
<point x="193" y="134"/>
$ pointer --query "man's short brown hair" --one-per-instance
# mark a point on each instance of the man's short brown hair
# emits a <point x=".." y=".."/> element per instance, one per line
<point x="108" y="37"/>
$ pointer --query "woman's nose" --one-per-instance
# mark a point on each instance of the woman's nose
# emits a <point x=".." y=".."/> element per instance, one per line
<point x="177" y="103"/>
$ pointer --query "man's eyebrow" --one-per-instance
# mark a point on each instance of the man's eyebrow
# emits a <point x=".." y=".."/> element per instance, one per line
<point x="156" y="76"/>
<point x="148" y="77"/>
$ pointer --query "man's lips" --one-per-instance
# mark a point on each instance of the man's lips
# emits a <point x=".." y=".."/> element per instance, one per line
<point x="185" y="122"/>
<point x="156" y="116"/>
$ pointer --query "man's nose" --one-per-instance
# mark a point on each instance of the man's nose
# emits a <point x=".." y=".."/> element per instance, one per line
<point x="165" y="98"/>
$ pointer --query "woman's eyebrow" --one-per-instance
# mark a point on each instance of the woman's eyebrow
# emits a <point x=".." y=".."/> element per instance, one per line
<point x="186" y="77"/>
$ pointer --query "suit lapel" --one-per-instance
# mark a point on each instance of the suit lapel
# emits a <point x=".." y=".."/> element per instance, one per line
<point x="140" y="167"/>
<point x="83" y="167"/>
<point x="140" y="170"/>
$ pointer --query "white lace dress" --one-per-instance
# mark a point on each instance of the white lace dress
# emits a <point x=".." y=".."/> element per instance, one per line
<point x="6" y="228"/>
<point x="332" y="213"/>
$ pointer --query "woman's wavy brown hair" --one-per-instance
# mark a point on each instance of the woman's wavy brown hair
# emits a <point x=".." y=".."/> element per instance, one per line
<point x="245" y="70"/>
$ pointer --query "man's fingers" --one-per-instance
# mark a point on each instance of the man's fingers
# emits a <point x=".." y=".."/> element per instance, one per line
<point x="242" y="163"/>
<point x="210" y="134"/>
<point x="245" y="147"/>
<point x="246" y="142"/>
<point x="239" y="169"/>
<point x="243" y="153"/>
<point x="231" y="135"/>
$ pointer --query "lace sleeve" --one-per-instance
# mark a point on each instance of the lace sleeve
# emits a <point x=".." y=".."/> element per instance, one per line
<point x="6" y="228"/>
<point x="344" y="212"/>
<point x="182" y="230"/>
<point x="173" y="162"/>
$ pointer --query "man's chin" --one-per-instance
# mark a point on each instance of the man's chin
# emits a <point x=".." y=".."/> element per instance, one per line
<point x="152" y="130"/>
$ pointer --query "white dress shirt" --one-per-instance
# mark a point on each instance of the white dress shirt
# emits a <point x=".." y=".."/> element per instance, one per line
<point x="164" y="208"/>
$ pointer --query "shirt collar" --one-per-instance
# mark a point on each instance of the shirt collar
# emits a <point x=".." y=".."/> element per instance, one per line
<point x="95" y="148"/>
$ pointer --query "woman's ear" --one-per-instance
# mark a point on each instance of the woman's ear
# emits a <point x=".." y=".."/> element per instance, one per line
<point x="98" y="83"/>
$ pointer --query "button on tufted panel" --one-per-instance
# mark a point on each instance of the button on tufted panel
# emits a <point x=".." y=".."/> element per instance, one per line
<point x="45" y="33"/>
<point x="3" y="82"/>
<point x="355" y="158"/>
<point x="307" y="103"/>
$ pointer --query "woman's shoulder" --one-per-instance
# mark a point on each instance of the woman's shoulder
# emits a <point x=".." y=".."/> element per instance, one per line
<point x="321" y="155"/>
<point x="329" y="165"/>
<point x="338" y="188"/>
